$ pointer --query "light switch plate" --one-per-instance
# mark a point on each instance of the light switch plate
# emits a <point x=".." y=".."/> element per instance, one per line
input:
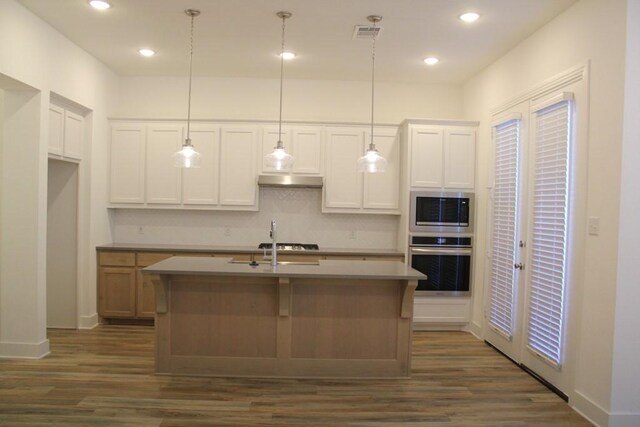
<point x="594" y="226"/>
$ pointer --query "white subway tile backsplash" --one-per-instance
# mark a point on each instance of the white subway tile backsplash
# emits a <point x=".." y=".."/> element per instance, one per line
<point x="297" y="212"/>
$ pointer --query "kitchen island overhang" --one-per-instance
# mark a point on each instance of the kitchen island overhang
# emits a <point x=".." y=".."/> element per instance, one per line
<point x="333" y="319"/>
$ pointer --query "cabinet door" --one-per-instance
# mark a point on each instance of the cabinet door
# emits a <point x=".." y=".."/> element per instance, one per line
<point x="127" y="164"/>
<point x="382" y="190"/>
<point x="306" y="146"/>
<point x="269" y="141"/>
<point x="73" y="135"/>
<point x="343" y="182"/>
<point x="426" y="156"/>
<point x="238" y="166"/>
<point x="117" y="292"/>
<point x="145" y="297"/>
<point x="459" y="158"/>
<point x="56" y="129"/>
<point x="200" y="185"/>
<point x="163" y="178"/>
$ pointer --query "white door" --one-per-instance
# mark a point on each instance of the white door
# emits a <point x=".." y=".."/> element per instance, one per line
<point x="459" y="158"/>
<point x="127" y="163"/>
<point x="73" y="135"/>
<point x="56" y="129"/>
<point x="529" y="263"/>
<point x="426" y="154"/>
<point x="200" y="185"/>
<point x="270" y="136"/>
<point x="306" y="145"/>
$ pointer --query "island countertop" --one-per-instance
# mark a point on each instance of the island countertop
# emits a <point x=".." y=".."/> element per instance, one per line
<point x="381" y="270"/>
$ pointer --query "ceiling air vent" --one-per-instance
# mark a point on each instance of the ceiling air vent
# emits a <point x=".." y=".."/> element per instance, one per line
<point x="366" y="32"/>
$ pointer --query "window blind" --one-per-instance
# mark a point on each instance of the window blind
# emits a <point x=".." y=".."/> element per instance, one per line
<point x="505" y="200"/>
<point x="549" y="234"/>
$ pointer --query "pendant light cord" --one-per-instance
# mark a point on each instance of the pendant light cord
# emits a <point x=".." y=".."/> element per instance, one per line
<point x="193" y="15"/>
<point x="279" y="144"/>
<point x="373" y="74"/>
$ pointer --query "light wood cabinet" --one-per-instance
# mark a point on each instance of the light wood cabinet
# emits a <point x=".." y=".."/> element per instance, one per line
<point x="348" y="190"/>
<point x="145" y="295"/>
<point x="66" y="133"/>
<point x="117" y="284"/>
<point x="442" y="157"/>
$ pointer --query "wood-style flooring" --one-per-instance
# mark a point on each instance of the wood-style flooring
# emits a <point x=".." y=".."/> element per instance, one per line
<point x="105" y="377"/>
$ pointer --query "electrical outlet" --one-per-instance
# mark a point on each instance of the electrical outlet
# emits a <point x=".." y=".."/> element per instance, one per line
<point x="594" y="225"/>
<point x="140" y="229"/>
<point x="227" y="231"/>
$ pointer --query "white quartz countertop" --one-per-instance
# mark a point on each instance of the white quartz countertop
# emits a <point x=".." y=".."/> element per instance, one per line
<point x="243" y="249"/>
<point x="380" y="270"/>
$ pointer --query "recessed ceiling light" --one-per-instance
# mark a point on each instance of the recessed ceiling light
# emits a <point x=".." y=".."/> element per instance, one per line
<point x="99" y="4"/>
<point x="146" y="52"/>
<point x="287" y="55"/>
<point x="469" y="16"/>
<point x="432" y="60"/>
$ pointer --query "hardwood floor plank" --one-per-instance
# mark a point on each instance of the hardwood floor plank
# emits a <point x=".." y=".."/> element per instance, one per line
<point x="105" y="377"/>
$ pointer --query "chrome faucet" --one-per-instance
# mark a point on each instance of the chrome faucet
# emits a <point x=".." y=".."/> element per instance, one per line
<point x="274" y="250"/>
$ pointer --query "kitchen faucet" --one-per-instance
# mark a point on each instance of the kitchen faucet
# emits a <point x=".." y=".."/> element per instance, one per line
<point x="274" y="250"/>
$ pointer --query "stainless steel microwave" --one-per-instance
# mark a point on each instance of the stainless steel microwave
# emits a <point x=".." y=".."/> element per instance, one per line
<point x="441" y="212"/>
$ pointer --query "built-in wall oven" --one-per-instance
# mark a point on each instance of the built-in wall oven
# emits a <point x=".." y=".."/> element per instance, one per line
<point x="446" y="261"/>
<point x="441" y="212"/>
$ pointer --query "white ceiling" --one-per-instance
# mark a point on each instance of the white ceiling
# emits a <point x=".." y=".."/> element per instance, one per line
<point x="241" y="38"/>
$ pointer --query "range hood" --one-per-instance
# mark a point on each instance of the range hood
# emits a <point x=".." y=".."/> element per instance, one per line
<point x="290" y="181"/>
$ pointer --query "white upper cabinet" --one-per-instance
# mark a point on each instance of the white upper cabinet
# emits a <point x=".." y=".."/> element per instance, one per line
<point x="200" y="185"/>
<point x="66" y="133"/>
<point x="348" y="190"/>
<point x="238" y="178"/>
<point x="343" y="184"/>
<point x="269" y="142"/>
<point x="163" y="178"/>
<point x="442" y="157"/>
<point x="381" y="190"/>
<point x="426" y="156"/>
<point x="127" y="163"/>
<point x="306" y="145"/>
<point x="459" y="158"/>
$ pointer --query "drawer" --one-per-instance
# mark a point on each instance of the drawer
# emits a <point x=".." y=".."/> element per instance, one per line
<point x="117" y="258"/>
<point x="147" y="258"/>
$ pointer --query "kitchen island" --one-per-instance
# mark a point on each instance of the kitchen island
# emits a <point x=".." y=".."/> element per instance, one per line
<point x="330" y="319"/>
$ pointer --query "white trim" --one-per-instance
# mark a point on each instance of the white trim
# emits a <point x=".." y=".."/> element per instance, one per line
<point x="439" y="122"/>
<point x="88" y="322"/>
<point x="590" y="410"/>
<point x="505" y="118"/>
<point x="550" y="85"/>
<point x="20" y="350"/>
<point x="548" y="102"/>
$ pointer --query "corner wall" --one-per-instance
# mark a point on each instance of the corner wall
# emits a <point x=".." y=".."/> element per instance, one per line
<point x="590" y="31"/>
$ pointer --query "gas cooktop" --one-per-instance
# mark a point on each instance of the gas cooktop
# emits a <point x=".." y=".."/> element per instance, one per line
<point x="291" y="246"/>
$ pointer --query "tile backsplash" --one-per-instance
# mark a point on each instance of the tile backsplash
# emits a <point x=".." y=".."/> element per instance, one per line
<point x="297" y="213"/>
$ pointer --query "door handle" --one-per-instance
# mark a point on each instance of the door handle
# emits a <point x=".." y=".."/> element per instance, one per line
<point x="518" y="266"/>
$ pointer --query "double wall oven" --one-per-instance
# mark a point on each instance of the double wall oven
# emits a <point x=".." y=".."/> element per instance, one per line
<point x="441" y="241"/>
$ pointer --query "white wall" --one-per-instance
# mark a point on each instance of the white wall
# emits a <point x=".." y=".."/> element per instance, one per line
<point x="625" y="399"/>
<point x="303" y="100"/>
<point x="297" y="212"/>
<point x="594" y="31"/>
<point x="34" y="54"/>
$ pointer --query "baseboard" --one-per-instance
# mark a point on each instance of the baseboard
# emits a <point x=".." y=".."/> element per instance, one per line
<point x="589" y="409"/>
<point x="19" y="350"/>
<point x="89" y="322"/>
<point x="624" y="420"/>
<point x="437" y="327"/>
<point x="476" y="330"/>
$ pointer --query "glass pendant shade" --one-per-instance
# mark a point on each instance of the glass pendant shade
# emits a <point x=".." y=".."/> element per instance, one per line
<point x="279" y="159"/>
<point x="372" y="161"/>
<point x="187" y="157"/>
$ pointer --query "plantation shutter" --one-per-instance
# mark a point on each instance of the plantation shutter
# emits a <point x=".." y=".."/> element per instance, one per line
<point x="549" y="229"/>
<point x="505" y="202"/>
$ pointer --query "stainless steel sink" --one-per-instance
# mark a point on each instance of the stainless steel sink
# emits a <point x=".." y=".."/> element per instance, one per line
<point x="256" y="263"/>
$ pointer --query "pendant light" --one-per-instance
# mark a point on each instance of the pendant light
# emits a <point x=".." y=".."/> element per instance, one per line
<point x="279" y="159"/>
<point x="372" y="161"/>
<point x="188" y="157"/>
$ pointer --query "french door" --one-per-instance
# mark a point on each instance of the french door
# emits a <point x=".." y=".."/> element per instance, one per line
<point x="528" y="263"/>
